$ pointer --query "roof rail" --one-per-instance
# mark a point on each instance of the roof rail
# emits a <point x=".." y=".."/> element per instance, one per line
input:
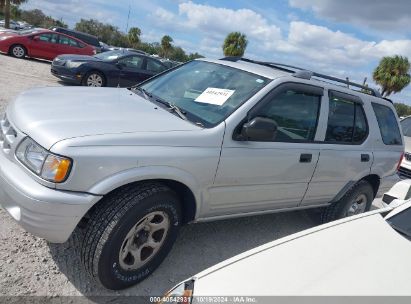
<point x="304" y="73"/>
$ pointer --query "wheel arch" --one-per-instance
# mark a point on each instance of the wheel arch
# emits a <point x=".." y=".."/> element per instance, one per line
<point x="372" y="179"/>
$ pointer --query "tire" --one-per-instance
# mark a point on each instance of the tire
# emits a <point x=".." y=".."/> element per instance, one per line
<point x="94" y="79"/>
<point x="113" y="233"/>
<point x="18" y="51"/>
<point x="357" y="200"/>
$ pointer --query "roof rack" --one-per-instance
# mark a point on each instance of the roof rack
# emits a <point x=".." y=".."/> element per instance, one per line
<point x="304" y="73"/>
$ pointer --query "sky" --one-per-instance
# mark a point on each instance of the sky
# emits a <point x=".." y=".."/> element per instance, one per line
<point x="343" y="38"/>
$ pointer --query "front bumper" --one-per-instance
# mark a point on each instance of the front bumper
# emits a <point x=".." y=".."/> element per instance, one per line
<point x="66" y="74"/>
<point x="48" y="213"/>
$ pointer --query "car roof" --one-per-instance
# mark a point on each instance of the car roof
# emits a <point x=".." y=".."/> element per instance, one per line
<point x="274" y="72"/>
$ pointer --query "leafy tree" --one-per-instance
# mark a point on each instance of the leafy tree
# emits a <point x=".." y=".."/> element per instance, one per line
<point x="105" y="32"/>
<point x="402" y="109"/>
<point x="392" y="74"/>
<point x="37" y="18"/>
<point x="235" y="44"/>
<point x="134" y="35"/>
<point x="166" y="45"/>
<point x="193" y="56"/>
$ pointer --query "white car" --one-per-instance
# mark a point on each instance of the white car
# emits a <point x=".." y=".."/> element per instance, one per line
<point x="367" y="254"/>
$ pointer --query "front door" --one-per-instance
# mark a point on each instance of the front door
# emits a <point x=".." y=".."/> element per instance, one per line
<point x="44" y="46"/>
<point x="265" y="175"/>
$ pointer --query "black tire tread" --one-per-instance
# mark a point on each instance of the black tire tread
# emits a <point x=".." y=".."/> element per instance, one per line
<point x="106" y="216"/>
<point x="330" y="213"/>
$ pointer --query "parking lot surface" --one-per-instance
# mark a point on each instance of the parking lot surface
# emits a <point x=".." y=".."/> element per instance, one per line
<point x="31" y="266"/>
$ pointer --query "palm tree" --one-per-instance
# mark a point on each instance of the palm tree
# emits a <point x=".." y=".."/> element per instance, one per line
<point x="134" y="36"/>
<point x="235" y="44"/>
<point x="166" y="45"/>
<point x="5" y="5"/>
<point x="392" y="74"/>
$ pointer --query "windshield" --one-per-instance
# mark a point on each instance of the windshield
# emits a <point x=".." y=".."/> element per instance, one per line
<point x="110" y="55"/>
<point x="406" y="126"/>
<point x="207" y="92"/>
<point x="30" y="31"/>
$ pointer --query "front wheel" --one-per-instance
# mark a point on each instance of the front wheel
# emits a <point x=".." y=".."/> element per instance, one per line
<point x="129" y="236"/>
<point x="94" y="79"/>
<point x="357" y="200"/>
<point x="18" y="51"/>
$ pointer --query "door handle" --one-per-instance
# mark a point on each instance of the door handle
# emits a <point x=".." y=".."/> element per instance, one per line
<point x="365" y="158"/>
<point x="306" y="158"/>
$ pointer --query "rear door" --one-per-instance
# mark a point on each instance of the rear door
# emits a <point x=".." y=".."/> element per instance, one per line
<point x="265" y="175"/>
<point x="346" y="152"/>
<point x="67" y="45"/>
<point x="132" y="70"/>
<point x="153" y="67"/>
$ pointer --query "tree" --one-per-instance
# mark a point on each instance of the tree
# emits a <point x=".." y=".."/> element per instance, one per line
<point x="166" y="45"/>
<point x="392" y="74"/>
<point x="235" y="44"/>
<point x="5" y="6"/>
<point x="105" y="32"/>
<point x="134" y="35"/>
<point x="402" y="109"/>
<point x="37" y="18"/>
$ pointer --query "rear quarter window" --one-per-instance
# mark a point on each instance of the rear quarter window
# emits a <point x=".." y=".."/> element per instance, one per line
<point x="388" y="124"/>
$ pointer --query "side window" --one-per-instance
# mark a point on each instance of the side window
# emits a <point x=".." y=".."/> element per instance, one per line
<point x="135" y="62"/>
<point x="388" y="125"/>
<point x="346" y="121"/>
<point x="54" y="38"/>
<point x="44" y="37"/>
<point x="68" y="41"/>
<point x="154" y="66"/>
<point x="296" y="114"/>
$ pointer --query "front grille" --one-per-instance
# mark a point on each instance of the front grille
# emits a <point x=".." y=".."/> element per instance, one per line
<point x="407" y="156"/>
<point x="7" y="135"/>
<point x="404" y="173"/>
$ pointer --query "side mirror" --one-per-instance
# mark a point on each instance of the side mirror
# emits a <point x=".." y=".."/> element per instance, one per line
<point x="36" y="38"/>
<point x="259" y="129"/>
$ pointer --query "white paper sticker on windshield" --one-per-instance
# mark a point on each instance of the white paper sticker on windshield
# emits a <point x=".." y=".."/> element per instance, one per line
<point x="215" y="96"/>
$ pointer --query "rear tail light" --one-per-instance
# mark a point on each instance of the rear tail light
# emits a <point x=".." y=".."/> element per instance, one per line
<point x="400" y="161"/>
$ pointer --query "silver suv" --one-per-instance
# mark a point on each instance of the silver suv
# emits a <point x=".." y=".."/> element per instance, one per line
<point x="207" y="140"/>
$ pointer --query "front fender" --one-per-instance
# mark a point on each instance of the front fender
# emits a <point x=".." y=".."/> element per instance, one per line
<point x="147" y="173"/>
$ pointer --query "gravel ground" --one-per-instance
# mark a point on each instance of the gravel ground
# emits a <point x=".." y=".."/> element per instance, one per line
<point x="31" y="266"/>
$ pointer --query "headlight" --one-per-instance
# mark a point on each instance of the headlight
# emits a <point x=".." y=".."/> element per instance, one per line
<point x="181" y="294"/>
<point x="73" y="64"/>
<point x="51" y="167"/>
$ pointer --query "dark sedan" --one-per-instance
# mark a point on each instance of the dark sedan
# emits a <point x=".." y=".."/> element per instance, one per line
<point x="114" y="68"/>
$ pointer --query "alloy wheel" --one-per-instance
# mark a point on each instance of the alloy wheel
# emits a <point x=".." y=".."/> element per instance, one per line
<point x="18" y="51"/>
<point x="94" y="80"/>
<point x="144" y="240"/>
<point x="358" y="205"/>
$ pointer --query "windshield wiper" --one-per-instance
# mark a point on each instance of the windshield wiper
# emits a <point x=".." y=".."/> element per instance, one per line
<point x="172" y="107"/>
<point x="146" y="94"/>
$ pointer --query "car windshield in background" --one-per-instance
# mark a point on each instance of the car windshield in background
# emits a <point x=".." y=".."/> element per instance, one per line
<point x="402" y="222"/>
<point x="30" y="31"/>
<point x="110" y="55"/>
<point x="207" y="92"/>
<point x="406" y="126"/>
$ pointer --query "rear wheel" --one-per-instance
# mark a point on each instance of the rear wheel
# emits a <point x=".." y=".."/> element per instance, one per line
<point x="130" y="234"/>
<point x="357" y="200"/>
<point x="18" y="51"/>
<point x="94" y="79"/>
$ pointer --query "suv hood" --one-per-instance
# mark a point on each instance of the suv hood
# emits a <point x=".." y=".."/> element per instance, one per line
<point x="49" y="115"/>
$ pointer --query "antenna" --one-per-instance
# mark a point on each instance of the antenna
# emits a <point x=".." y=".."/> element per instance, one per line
<point x="128" y="17"/>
